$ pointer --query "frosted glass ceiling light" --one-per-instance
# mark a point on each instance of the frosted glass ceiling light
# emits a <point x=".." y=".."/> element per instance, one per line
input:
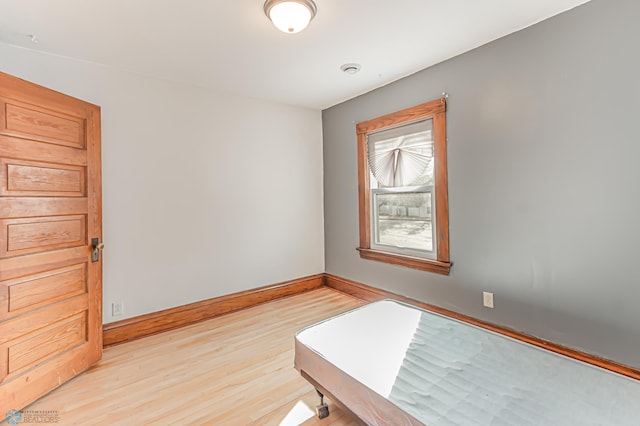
<point x="290" y="16"/>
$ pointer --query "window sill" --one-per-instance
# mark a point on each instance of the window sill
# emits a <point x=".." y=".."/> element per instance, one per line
<point x="427" y="265"/>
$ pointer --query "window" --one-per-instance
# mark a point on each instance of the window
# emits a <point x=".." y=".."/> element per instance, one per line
<point x="402" y="185"/>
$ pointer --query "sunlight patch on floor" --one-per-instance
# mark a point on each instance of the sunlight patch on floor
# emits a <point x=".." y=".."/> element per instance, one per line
<point x="298" y="414"/>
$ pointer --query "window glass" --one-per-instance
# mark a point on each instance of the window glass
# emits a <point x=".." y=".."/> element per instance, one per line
<point x="403" y="220"/>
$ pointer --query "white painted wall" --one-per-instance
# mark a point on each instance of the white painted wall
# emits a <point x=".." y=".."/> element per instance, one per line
<point x="204" y="194"/>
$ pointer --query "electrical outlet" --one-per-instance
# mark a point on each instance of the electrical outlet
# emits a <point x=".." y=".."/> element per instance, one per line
<point x="487" y="299"/>
<point x="117" y="309"/>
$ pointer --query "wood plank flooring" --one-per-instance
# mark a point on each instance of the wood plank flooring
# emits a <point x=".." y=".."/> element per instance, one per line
<point x="232" y="370"/>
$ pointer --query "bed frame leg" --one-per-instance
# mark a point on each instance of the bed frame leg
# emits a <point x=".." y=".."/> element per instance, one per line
<point x="323" y="409"/>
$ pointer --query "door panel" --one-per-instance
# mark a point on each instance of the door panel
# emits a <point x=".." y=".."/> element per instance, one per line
<point x="30" y="178"/>
<point x="32" y="235"/>
<point x="46" y="342"/>
<point x="50" y="208"/>
<point x="36" y="290"/>
<point x="35" y="122"/>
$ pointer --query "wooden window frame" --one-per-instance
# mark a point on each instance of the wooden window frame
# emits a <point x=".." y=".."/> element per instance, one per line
<point x="435" y="110"/>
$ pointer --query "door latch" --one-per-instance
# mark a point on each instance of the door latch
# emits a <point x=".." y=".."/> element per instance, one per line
<point x="96" y="246"/>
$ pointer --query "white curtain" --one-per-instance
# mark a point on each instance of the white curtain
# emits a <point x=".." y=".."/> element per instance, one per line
<point x="400" y="156"/>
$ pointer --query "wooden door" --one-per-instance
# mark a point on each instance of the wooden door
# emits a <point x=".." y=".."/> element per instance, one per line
<point x="50" y="209"/>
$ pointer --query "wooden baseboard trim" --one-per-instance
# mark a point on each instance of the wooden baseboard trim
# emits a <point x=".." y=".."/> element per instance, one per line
<point x="169" y="319"/>
<point x="368" y="293"/>
<point x="359" y="290"/>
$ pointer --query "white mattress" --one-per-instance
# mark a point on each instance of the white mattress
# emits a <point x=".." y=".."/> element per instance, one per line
<point x="392" y="363"/>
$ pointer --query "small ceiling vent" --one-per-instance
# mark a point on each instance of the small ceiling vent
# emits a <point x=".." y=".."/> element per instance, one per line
<point x="350" y="68"/>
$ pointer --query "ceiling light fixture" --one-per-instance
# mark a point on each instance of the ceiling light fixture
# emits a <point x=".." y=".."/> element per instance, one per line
<point x="290" y="16"/>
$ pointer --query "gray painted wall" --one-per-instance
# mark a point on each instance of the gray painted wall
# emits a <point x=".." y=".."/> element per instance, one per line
<point x="543" y="181"/>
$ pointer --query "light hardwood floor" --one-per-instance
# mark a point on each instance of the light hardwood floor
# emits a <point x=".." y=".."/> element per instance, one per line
<point x="233" y="370"/>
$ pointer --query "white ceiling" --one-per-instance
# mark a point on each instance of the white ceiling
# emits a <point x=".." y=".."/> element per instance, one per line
<point x="231" y="46"/>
